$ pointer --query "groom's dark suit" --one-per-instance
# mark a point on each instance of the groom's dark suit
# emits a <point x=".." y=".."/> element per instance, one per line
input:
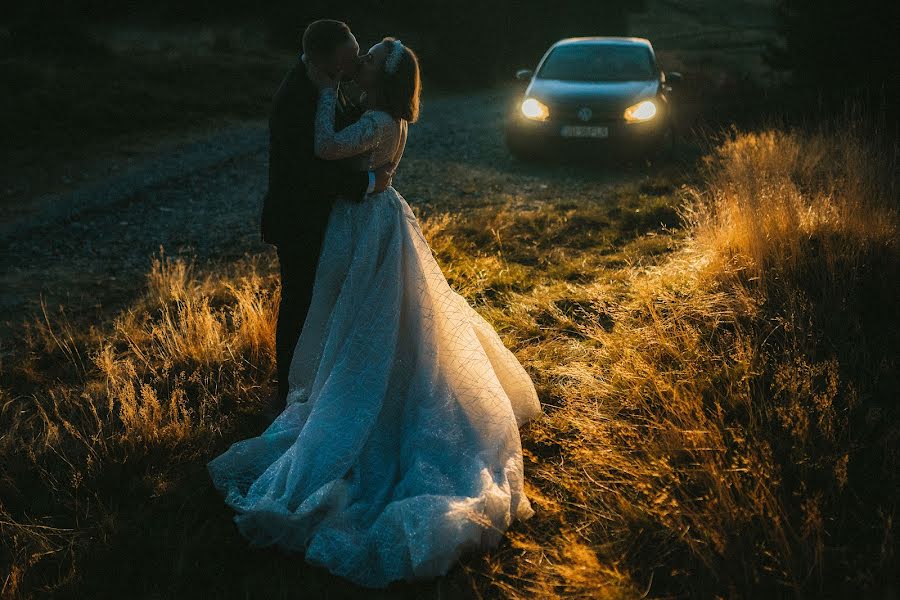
<point x="302" y="189"/>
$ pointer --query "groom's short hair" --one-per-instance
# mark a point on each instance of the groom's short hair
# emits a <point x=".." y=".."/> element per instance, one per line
<point x="323" y="37"/>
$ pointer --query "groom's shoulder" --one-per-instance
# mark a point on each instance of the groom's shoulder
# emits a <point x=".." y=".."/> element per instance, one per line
<point x="297" y="77"/>
<point x="296" y="84"/>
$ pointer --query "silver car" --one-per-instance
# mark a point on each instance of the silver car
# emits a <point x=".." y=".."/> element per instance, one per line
<point x="594" y="92"/>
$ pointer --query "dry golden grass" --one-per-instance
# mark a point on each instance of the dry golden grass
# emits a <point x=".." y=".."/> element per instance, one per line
<point x="724" y="422"/>
<point x="735" y="432"/>
<point x="720" y="412"/>
<point x="163" y="379"/>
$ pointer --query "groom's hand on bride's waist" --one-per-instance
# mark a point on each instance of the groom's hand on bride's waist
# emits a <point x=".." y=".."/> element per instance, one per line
<point x="379" y="180"/>
<point x="383" y="177"/>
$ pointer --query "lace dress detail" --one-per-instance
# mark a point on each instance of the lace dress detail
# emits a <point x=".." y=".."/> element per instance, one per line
<point x="399" y="448"/>
<point x="373" y="139"/>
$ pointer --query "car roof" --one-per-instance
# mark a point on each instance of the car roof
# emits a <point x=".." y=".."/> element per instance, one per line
<point x="616" y="40"/>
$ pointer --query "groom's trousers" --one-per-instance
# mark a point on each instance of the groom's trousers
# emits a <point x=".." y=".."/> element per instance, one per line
<point x="297" y="265"/>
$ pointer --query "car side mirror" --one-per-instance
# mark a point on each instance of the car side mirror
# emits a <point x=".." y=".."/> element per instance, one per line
<point x="674" y="77"/>
<point x="524" y="74"/>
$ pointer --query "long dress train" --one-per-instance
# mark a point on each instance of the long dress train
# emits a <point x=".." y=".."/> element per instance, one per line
<point x="399" y="448"/>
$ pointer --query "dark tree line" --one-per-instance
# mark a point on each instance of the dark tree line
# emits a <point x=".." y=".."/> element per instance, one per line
<point x="458" y="41"/>
<point x="840" y="48"/>
<point x="472" y="41"/>
<point x="462" y="41"/>
<point x="832" y="47"/>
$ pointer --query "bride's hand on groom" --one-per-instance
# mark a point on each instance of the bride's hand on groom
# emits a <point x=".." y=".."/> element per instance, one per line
<point x="320" y="78"/>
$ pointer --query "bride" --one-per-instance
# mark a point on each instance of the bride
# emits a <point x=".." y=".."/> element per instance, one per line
<point x="399" y="448"/>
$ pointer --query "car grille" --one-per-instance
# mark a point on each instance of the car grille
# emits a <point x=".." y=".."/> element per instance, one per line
<point x="568" y="114"/>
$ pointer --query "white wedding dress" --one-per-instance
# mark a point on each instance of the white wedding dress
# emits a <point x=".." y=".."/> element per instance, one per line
<point x="399" y="448"/>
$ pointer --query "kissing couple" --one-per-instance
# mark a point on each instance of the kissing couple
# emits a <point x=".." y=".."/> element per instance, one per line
<point x="396" y="449"/>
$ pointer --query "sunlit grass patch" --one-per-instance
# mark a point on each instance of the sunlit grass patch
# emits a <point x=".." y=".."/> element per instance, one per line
<point x="716" y="363"/>
<point x="82" y="405"/>
<point x="732" y="431"/>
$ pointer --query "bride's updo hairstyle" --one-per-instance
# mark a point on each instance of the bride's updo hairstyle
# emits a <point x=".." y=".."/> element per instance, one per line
<point x="397" y="93"/>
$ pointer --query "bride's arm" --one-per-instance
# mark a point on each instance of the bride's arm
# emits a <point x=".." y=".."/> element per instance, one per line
<point x="350" y="141"/>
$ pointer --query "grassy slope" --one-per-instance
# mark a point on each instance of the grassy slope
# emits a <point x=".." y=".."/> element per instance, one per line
<point x="718" y="400"/>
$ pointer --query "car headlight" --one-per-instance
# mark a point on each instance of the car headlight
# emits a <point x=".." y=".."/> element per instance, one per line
<point x="535" y="110"/>
<point x="640" y="112"/>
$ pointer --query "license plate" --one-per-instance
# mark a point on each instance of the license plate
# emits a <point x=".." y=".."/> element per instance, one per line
<point x="584" y="131"/>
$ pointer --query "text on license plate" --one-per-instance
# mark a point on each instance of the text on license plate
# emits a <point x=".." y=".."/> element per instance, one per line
<point x="584" y="131"/>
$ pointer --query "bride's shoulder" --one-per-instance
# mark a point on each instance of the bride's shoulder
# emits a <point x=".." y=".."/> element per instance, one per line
<point x="382" y="121"/>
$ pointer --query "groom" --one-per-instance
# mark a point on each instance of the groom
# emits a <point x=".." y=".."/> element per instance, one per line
<point x="302" y="187"/>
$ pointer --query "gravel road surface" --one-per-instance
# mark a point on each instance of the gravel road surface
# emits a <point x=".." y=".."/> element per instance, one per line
<point x="88" y="247"/>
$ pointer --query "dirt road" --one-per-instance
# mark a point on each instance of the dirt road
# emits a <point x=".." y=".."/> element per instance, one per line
<point x="88" y="247"/>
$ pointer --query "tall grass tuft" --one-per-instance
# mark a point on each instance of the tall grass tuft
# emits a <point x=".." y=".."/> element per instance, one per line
<point x="735" y="432"/>
<point x="96" y="406"/>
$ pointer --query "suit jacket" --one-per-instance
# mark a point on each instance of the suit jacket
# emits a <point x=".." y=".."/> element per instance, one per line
<point x="302" y="187"/>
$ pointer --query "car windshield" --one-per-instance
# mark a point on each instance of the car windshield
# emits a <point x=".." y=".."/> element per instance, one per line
<point x="598" y="62"/>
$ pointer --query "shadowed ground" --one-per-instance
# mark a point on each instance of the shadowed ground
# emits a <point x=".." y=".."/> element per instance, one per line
<point x="87" y="248"/>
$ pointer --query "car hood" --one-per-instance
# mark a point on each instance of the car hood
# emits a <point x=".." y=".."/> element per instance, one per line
<point x="597" y="95"/>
